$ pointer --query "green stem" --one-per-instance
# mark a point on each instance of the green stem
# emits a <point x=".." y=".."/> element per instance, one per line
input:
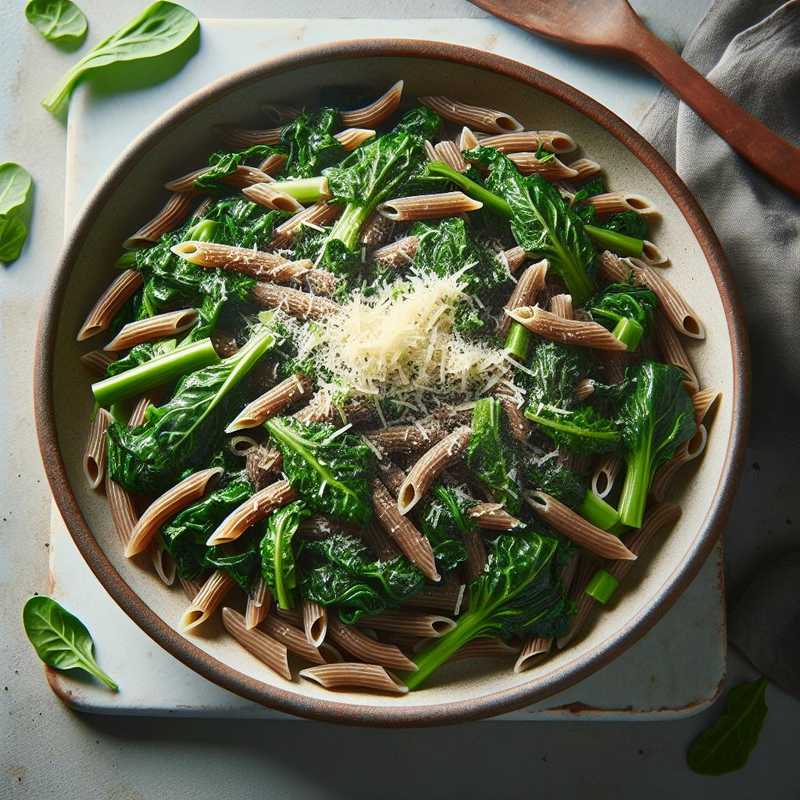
<point x="282" y="595"/>
<point x="92" y="668"/>
<point x="304" y="190"/>
<point x="518" y="341"/>
<point x="595" y="510"/>
<point x="602" y="586"/>
<point x="348" y="226"/>
<point x="489" y="199"/>
<point x="202" y="231"/>
<point x="629" y="332"/>
<point x="565" y="427"/>
<point x="616" y="242"/>
<point x="633" y="499"/>
<point x="127" y="260"/>
<point x="157" y="372"/>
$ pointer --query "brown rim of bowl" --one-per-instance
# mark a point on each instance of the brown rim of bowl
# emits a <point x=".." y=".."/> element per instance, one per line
<point x="367" y="714"/>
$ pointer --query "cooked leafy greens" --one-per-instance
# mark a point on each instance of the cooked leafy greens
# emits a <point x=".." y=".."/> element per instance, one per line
<point x="310" y="143"/>
<point x="628" y="223"/>
<point x="224" y="163"/>
<point x="339" y="571"/>
<point x="278" y="553"/>
<point x="582" y="431"/>
<point x="331" y="473"/>
<point x="559" y="481"/>
<point x="57" y="20"/>
<point x="626" y="310"/>
<point x="16" y="197"/>
<point x="519" y="594"/>
<point x="554" y="372"/>
<point x="444" y="523"/>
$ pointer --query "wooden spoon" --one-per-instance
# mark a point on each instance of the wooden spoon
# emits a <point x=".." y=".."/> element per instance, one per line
<point x="612" y="27"/>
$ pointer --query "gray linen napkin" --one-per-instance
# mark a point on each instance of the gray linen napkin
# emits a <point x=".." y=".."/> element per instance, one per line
<point x="751" y="51"/>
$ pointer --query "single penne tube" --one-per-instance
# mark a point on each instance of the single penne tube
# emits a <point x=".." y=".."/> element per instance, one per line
<point x="271" y="403"/>
<point x="687" y="452"/>
<point x="150" y="329"/>
<point x="354" y="675"/>
<point x="616" y="202"/>
<point x="428" y="206"/>
<point x="586" y="168"/>
<point x="378" y="541"/>
<point x="514" y="258"/>
<point x="110" y="302"/>
<point x="97" y="362"/>
<point x="190" y="587"/>
<point x="391" y="475"/>
<point x="253" y="510"/>
<point x="399" y="253"/>
<point x="673" y="352"/>
<point x="263" y="647"/>
<point x="263" y="464"/>
<point x="242" y="444"/>
<point x="408" y="623"/>
<point x="575" y="527"/>
<point x="291" y="615"/>
<point x="448" y="152"/>
<point x="241" y="138"/>
<point x="605" y="475"/>
<point x="403" y="533"/>
<point x="376" y="231"/>
<point x="467" y="139"/>
<point x="476" y="555"/>
<point x="240" y="177"/>
<point x="272" y="164"/>
<point x="430" y="151"/>
<point x="94" y="453"/>
<point x="493" y="517"/>
<point x="351" y="138"/>
<point x="552" y="169"/>
<point x="259" y="602"/>
<point x="652" y="255"/>
<point x="207" y="600"/>
<point x="264" y="195"/>
<point x="532" y="650"/>
<point x="561" y="306"/>
<point x="240" y="259"/>
<point x="703" y="401"/>
<point x="483" y="119"/>
<point x="321" y="213"/>
<point x="568" y="331"/>
<point x="174" y="212"/>
<point x="284" y="630"/>
<point x="525" y="291"/>
<point x="584" y="389"/>
<point x="315" y="622"/>
<point x="302" y="305"/>
<point x="139" y="410"/>
<point x="163" y="563"/>
<point x="530" y="141"/>
<point x="331" y="654"/>
<point x="416" y="438"/>
<point x="429" y="466"/>
<point x="373" y="114"/>
<point x="167" y="506"/>
<point x="123" y="510"/>
<point x="365" y="648"/>
<point x="447" y="596"/>
<point x="518" y="425"/>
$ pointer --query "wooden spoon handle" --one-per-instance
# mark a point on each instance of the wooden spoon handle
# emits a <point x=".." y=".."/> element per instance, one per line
<point x="748" y="136"/>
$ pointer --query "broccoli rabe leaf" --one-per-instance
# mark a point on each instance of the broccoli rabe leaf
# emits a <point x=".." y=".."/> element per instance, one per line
<point x="561" y="482"/>
<point x="278" y="552"/>
<point x="444" y="523"/>
<point x="582" y="431"/>
<point x="310" y="143"/>
<point x="629" y="223"/>
<point x="331" y="474"/>
<point x="626" y="310"/>
<point x="555" y="369"/>
<point x="339" y="570"/>
<point x="224" y="163"/>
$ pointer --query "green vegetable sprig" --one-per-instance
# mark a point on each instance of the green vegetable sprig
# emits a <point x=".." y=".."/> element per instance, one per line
<point x="58" y="21"/>
<point x="626" y="310"/>
<point x="60" y="639"/>
<point x="277" y="551"/>
<point x="16" y="201"/>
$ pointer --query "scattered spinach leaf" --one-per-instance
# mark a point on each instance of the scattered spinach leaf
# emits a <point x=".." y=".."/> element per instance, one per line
<point x="16" y="192"/>
<point x="57" y="20"/>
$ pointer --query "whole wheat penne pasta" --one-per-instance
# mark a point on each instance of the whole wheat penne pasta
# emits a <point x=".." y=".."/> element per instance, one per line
<point x="614" y="365"/>
<point x="271" y="403"/>
<point x="254" y="509"/>
<point x="515" y="258"/>
<point x="174" y="212"/>
<point x="354" y="675"/>
<point x="525" y="291"/>
<point x="448" y="152"/>
<point x="150" y="329"/>
<point x="321" y="409"/>
<point x="428" y="206"/>
<point x="605" y="475"/>
<point x="190" y="587"/>
<point x="412" y="439"/>
<point x="673" y="352"/>
<point x="493" y="517"/>
<point x="331" y="654"/>
<point x="273" y="164"/>
<point x="372" y="115"/>
<point x="97" y="362"/>
<point x="266" y="196"/>
<point x="376" y="231"/>
<point x="391" y="475"/>
<point x="584" y="389"/>
<point x="315" y="622"/>
<point x="687" y="452"/>
<point x="263" y="647"/>
<point x="476" y="555"/>
<point x="351" y="138"/>
<point x="262" y="465"/>
<point x="703" y="401"/>
<point x="378" y="541"/>
<point x="321" y="213"/>
<point x="616" y="202"/>
<point x="561" y="306"/>
<point x="485" y="647"/>
<point x="552" y="169"/>
<point x="532" y="649"/>
<point x="94" y="453"/>
<point x="586" y="168"/>
<point x="242" y="176"/>
<point x="446" y="596"/>
<point x="241" y="138"/>
<point x="576" y="528"/>
<point x="467" y="139"/>
<point x="584" y="603"/>
<point x="364" y="648"/>
<point x="403" y="533"/>
<point x="167" y="506"/>
<point x="241" y="259"/>
<point x="430" y="151"/>
<point x="302" y="305"/>
<point x="518" y="425"/>
<point x="259" y="602"/>
<point x="162" y="563"/>
<point x="483" y="119"/>
<point x="531" y="141"/>
<point x="652" y="255"/>
<point x="409" y="623"/>
<point x="295" y="640"/>
<point x="569" y="331"/>
<point x="422" y="475"/>
<point x="207" y="600"/>
<point x="139" y="411"/>
<point x="125" y="285"/>
<point x="202" y="210"/>
<point x="399" y="253"/>
<point x="242" y="444"/>
<point x="291" y="615"/>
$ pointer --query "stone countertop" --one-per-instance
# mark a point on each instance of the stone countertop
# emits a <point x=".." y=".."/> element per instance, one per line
<point x="48" y="751"/>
